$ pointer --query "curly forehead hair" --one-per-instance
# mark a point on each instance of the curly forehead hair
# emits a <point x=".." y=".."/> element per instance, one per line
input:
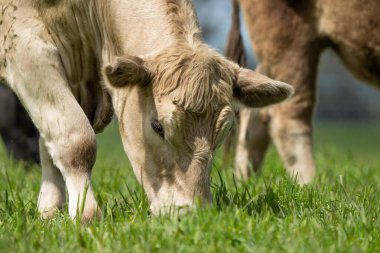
<point x="196" y="79"/>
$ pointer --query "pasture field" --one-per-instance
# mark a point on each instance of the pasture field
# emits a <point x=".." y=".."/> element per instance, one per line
<point x="339" y="212"/>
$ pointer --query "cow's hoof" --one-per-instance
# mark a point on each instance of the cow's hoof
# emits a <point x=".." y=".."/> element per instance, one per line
<point x="49" y="214"/>
<point x="90" y="215"/>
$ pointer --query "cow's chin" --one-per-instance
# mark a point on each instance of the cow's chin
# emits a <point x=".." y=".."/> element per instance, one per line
<point x="168" y="196"/>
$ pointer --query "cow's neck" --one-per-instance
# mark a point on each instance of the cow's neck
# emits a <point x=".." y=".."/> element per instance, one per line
<point x="141" y="26"/>
<point x="149" y="26"/>
<point x="106" y="29"/>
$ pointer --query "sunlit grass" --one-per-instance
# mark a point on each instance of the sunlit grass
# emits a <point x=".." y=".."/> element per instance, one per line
<point x="339" y="212"/>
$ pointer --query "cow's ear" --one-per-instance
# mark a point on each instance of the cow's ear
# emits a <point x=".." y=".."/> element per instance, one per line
<point x="126" y="71"/>
<point x="256" y="90"/>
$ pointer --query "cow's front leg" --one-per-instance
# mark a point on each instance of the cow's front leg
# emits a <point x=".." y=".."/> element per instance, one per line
<point x="34" y="72"/>
<point x="70" y="146"/>
<point x="69" y="159"/>
<point x="52" y="193"/>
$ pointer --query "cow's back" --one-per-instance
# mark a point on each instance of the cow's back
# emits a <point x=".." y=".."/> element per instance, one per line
<point x="277" y="25"/>
<point x="353" y="29"/>
<point x="350" y="27"/>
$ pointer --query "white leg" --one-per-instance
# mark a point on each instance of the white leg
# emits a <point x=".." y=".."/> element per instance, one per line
<point x="77" y="188"/>
<point x="52" y="192"/>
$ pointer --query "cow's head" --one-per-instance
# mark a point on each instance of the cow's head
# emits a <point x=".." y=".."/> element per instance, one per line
<point x="174" y="110"/>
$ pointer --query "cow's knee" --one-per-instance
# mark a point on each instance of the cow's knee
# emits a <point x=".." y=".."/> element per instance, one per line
<point x="81" y="153"/>
<point x="77" y="161"/>
<point x="74" y="152"/>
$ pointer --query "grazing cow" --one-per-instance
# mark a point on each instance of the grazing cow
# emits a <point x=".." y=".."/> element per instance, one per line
<point x="73" y="63"/>
<point x="288" y="37"/>
<point x="16" y="129"/>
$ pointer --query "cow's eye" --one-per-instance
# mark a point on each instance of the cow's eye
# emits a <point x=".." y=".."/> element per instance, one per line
<point x="157" y="127"/>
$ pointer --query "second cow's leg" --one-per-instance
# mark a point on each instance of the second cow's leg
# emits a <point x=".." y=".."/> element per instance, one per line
<point x="253" y="140"/>
<point x="290" y="122"/>
<point x="292" y="135"/>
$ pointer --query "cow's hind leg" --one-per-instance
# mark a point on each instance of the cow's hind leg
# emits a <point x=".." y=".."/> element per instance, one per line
<point x="290" y="122"/>
<point x="35" y="73"/>
<point x="253" y="140"/>
<point x="292" y="135"/>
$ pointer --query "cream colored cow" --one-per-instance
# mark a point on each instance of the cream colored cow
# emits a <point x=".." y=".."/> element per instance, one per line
<point x="73" y="63"/>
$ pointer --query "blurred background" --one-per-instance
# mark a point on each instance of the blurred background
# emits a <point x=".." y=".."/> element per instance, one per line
<point x="341" y="97"/>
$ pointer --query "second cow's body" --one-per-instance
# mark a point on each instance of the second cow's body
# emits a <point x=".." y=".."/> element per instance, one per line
<point x="288" y="38"/>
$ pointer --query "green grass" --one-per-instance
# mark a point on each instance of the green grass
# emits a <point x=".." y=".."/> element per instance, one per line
<point x="339" y="212"/>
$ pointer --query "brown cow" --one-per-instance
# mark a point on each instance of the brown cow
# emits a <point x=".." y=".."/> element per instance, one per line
<point x="288" y="37"/>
